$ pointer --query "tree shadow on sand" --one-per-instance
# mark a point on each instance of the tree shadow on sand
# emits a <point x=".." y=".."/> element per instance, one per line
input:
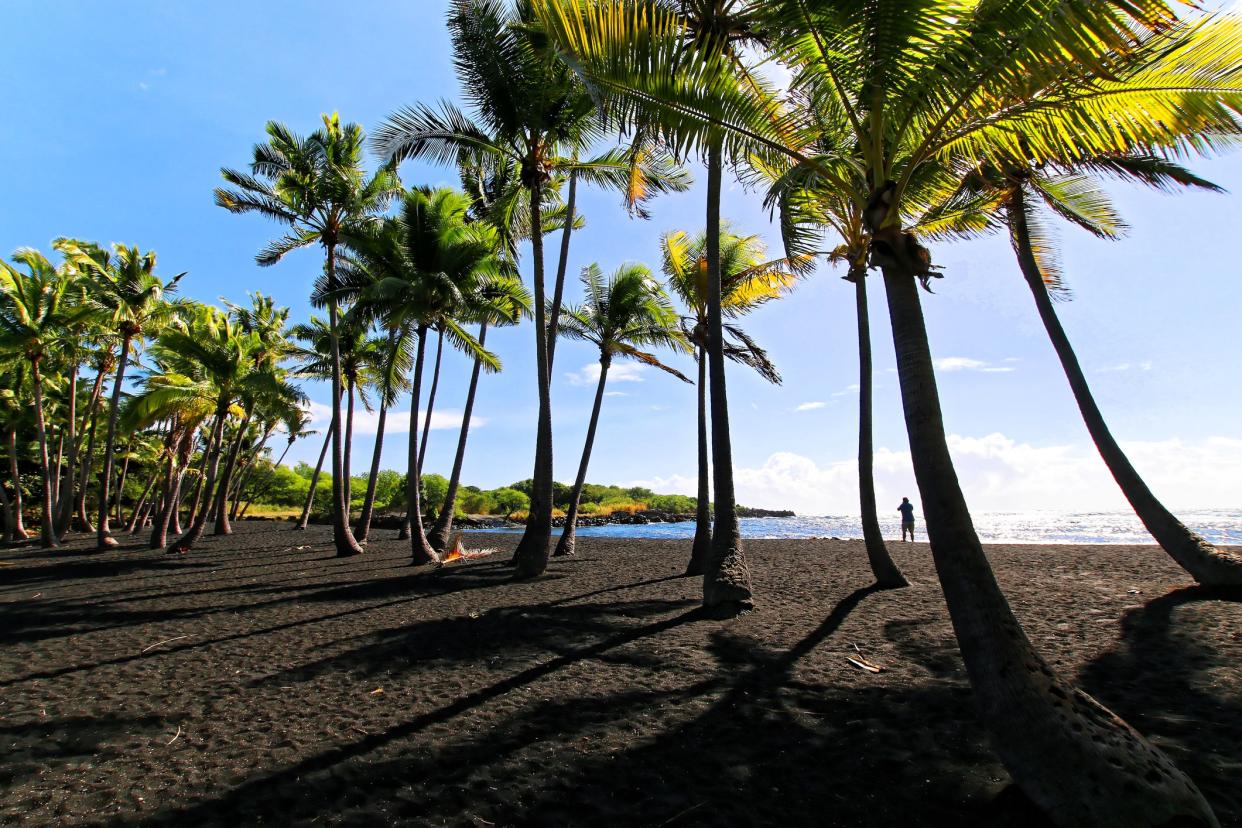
<point x="1161" y="681"/>
<point x="30" y="748"/>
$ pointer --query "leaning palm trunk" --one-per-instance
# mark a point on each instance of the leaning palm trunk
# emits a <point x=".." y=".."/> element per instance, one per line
<point x="1074" y="758"/>
<point x="105" y="479"/>
<point x="19" y="530"/>
<point x="348" y="495"/>
<point x="79" y="505"/>
<point x="431" y="402"/>
<point x="420" y="550"/>
<point x="439" y="536"/>
<point x="120" y="489"/>
<point x="47" y="528"/>
<point x="342" y="535"/>
<point x="726" y="582"/>
<point x="368" y="502"/>
<point x="172" y="490"/>
<point x="263" y="492"/>
<point x="247" y="471"/>
<point x="64" y="502"/>
<point x="214" y="446"/>
<point x="565" y="546"/>
<point x="314" y="481"/>
<point x="702" y="549"/>
<point x="140" y="506"/>
<point x="1207" y="564"/>
<point x="562" y="266"/>
<point x="221" y="509"/>
<point x="531" y="556"/>
<point x="887" y="575"/>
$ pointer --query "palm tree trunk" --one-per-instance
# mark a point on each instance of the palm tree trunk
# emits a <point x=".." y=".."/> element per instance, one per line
<point x="54" y="468"/>
<point x="7" y="505"/>
<point x="342" y="536"/>
<point x="120" y="487"/>
<point x="562" y="267"/>
<point x="346" y="460"/>
<point x="47" y="528"/>
<point x="368" y="502"/>
<point x="565" y="546"/>
<point x="314" y="482"/>
<point x="84" y="473"/>
<point x="64" y="502"/>
<point x="247" y="469"/>
<point x="439" y="536"/>
<point x="726" y="583"/>
<point x="420" y="550"/>
<point x="887" y="575"/>
<point x="214" y="446"/>
<point x="114" y="410"/>
<point x="531" y="556"/>
<point x="256" y="495"/>
<point x="1078" y="761"/>
<point x="1207" y="564"/>
<point x="221" y="508"/>
<point x="19" y="530"/>
<point x="431" y="402"/>
<point x="132" y="526"/>
<point x="702" y="549"/>
<point x="172" y="492"/>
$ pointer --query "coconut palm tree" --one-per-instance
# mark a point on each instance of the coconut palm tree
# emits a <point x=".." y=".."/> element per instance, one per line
<point x="124" y="286"/>
<point x="410" y="274"/>
<point x="13" y="411"/>
<point x="316" y="186"/>
<point x="746" y="282"/>
<point x="1023" y="197"/>
<point x="919" y="87"/>
<point x="390" y="362"/>
<point x="494" y="301"/>
<point x="36" y="311"/>
<point x="619" y="316"/>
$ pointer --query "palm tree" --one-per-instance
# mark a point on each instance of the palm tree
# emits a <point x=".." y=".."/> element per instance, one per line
<point x="497" y="300"/>
<point x="317" y="187"/>
<point x="36" y="309"/>
<point x="123" y="285"/>
<point x="411" y="273"/>
<point x="390" y="361"/>
<point x="619" y="316"/>
<point x="12" y="413"/>
<point x="527" y="108"/>
<point x="746" y="282"/>
<point x="1076" y="197"/>
<point x="920" y="87"/>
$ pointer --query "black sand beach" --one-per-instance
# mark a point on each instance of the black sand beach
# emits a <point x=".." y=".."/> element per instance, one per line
<point x="259" y="680"/>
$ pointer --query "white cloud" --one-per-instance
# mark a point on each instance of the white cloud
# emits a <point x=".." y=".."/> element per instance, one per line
<point x="619" y="372"/>
<point x="810" y="406"/>
<point x="143" y="86"/>
<point x="615" y="394"/>
<point x="998" y="474"/>
<point x="1145" y="365"/>
<point x="397" y="421"/>
<point x="967" y="364"/>
<point x="847" y="390"/>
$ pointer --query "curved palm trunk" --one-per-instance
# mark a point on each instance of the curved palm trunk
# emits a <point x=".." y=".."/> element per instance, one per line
<point x="159" y="528"/>
<point x="565" y="546"/>
<point x="562" y="266"/>
<point x="887" y="575"/>
<point x="105" y="479"/>
<point x="64" y="501"/>
<point x="1207" y="564"/>
<point x="368" y="502"/>
<point x="19" y="530"/>
<point x="79" y="505"/>
<point x="314" y="482"/>
<point x="120" y="487"/>
<point x="349" y="452"/>
<point x="726" y="583"/>
<point x="47" y="529"/>
<point x="214" y="446"/>
<point x="262" y="492"/>
<point x="138" y="513"/>
<point x="221" y="508"/>
<point x="247" y="471"/>
<point x="1073" y="757"/>
<point x="439" y="536"/>
<point x="54" y="468"/>
<point x="702" y="548"/>
<point x="531" y="556"/>
<point x="431" y="402"/>
<point x="342" y="535"/>
<point x="420" y="550"/>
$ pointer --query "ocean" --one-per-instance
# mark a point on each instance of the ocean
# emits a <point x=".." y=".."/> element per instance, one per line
<point x="1219" y="526"/>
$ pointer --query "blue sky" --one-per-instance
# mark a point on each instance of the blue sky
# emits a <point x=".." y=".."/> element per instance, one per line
<point x="119" y="116"/>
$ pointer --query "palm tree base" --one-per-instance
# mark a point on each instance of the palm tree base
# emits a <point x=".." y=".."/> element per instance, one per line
<point x="107" y="542"/>
<point x="726" y="591"/>
<point x="348" y="552"/>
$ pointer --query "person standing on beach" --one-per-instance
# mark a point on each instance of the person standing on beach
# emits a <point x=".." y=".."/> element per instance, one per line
<point x="907" y="518"/>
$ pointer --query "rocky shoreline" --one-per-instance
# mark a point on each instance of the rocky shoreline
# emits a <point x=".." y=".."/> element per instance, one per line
<point x="393" y="520"/>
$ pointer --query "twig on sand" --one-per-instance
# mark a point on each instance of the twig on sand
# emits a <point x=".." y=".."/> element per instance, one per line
<point x="862" y="664"/>
<point x="681" y="814"/>
<point x="175" y="738"/>
<point x="165" y="641"/>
